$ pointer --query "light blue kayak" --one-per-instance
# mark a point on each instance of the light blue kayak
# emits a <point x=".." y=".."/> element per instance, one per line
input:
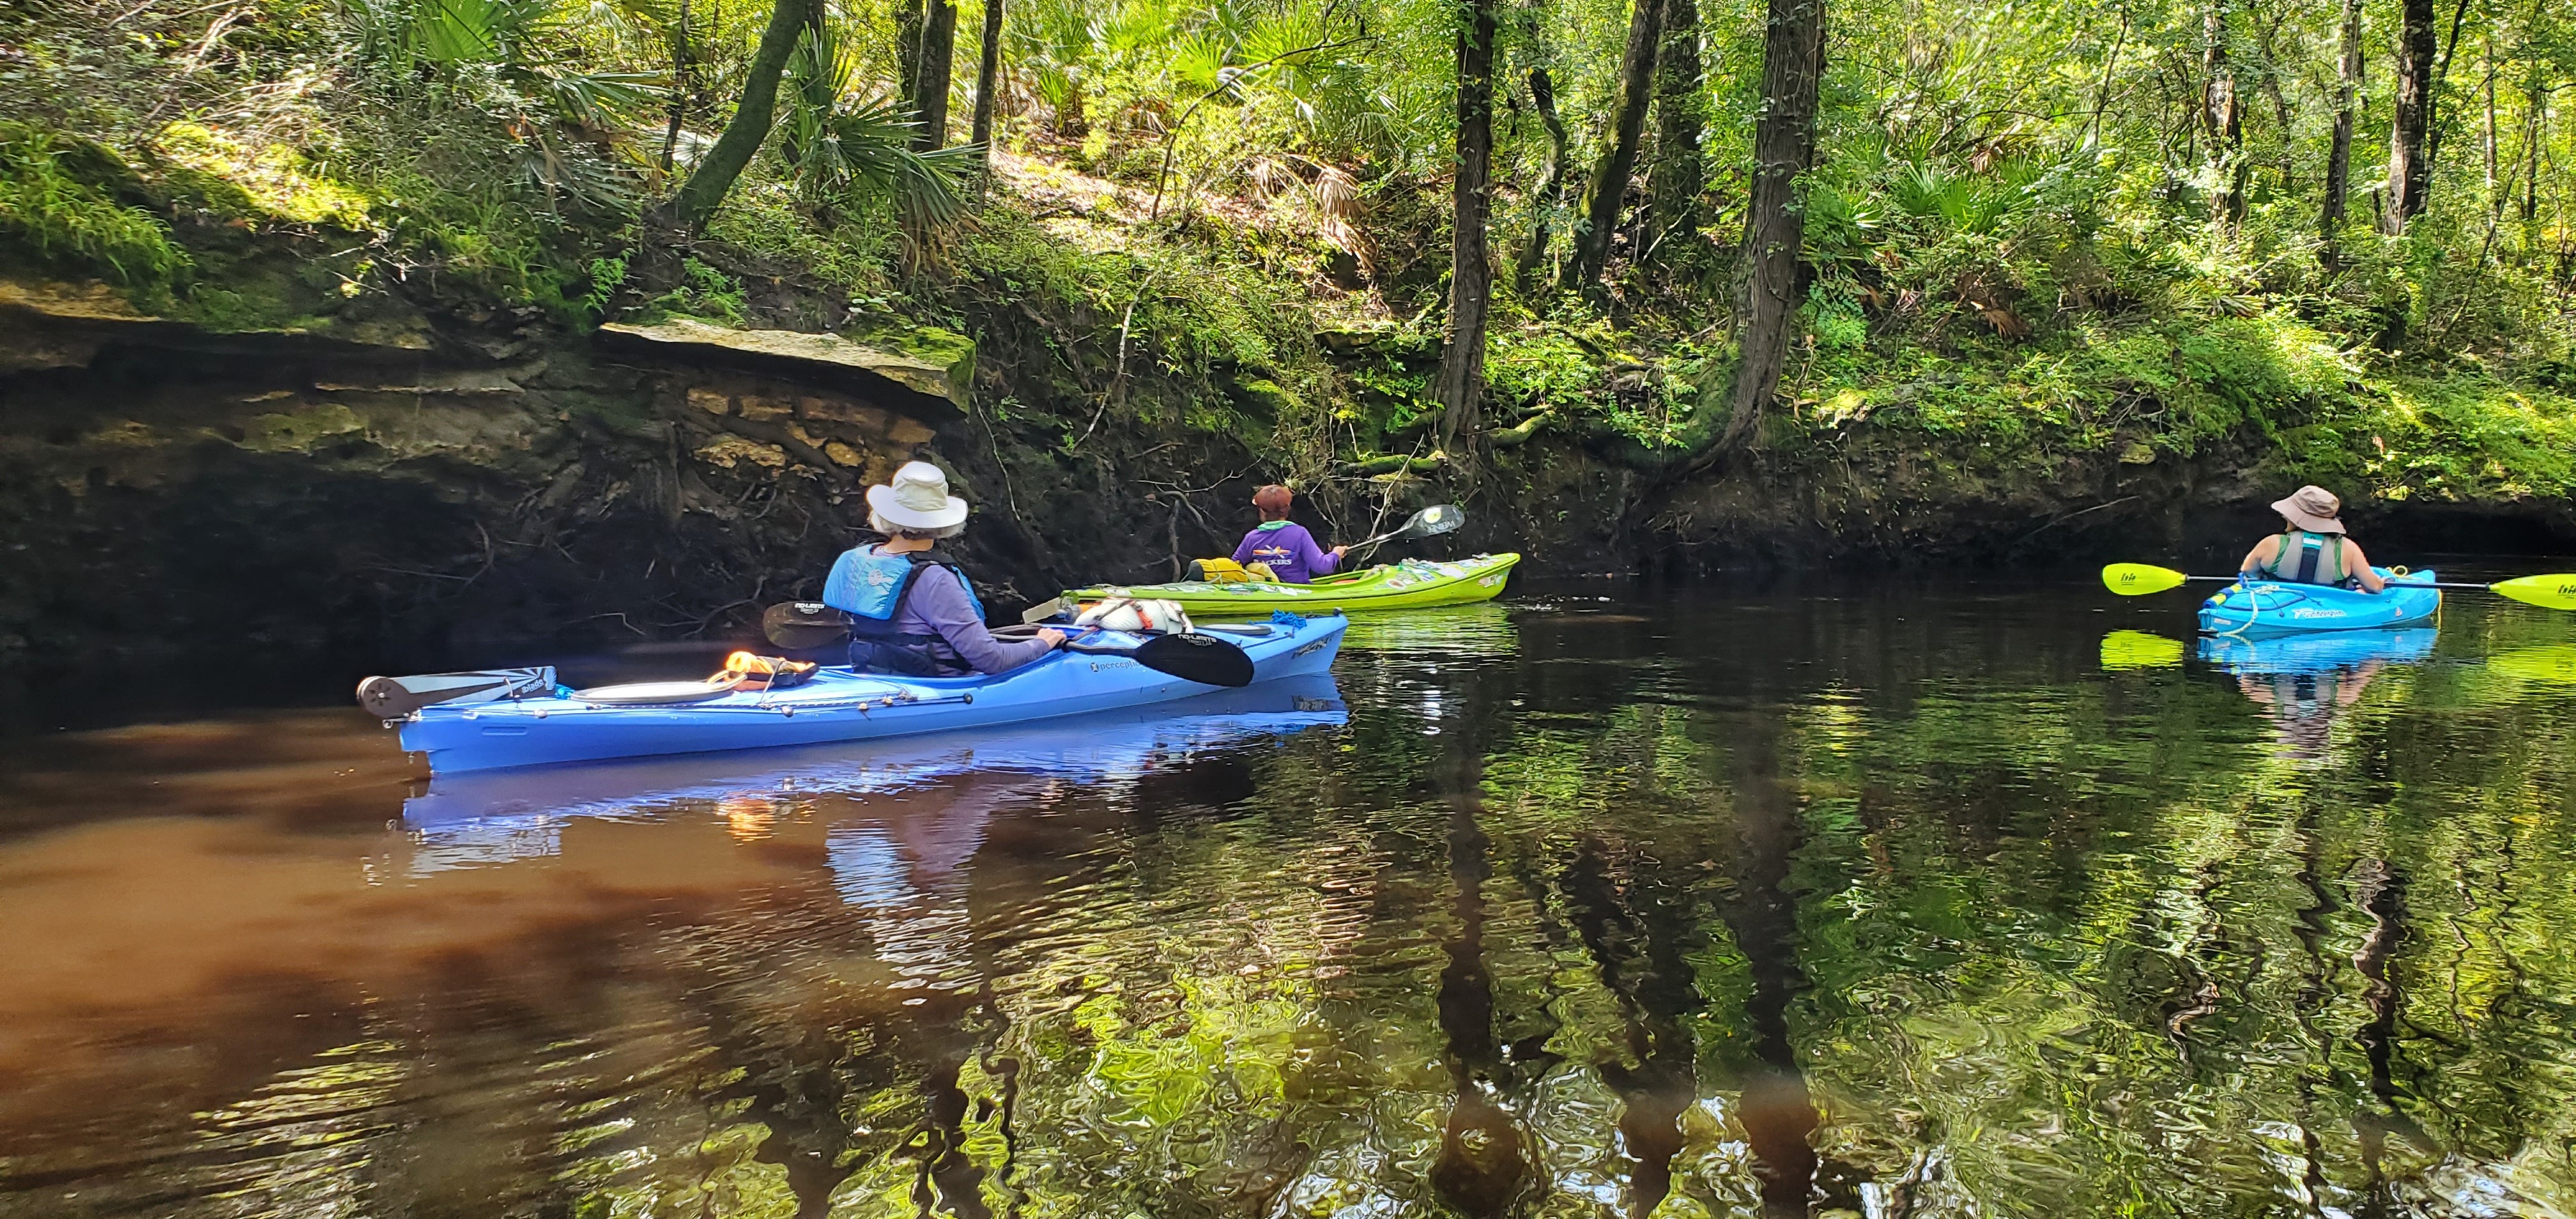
<point x="1103" y="745"/>
<point x="839" y="704"/>
<point x="2267" y="607"/>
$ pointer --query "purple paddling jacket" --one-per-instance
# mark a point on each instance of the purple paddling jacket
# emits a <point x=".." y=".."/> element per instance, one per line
<point x="1289" y="550"/>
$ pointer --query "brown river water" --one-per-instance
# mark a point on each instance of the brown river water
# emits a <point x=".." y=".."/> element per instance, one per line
<point x="1879" y="899"/>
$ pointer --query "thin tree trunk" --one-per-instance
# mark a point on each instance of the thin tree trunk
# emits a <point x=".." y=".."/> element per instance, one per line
<point x="1550" y="193"/>
<point x="1784" y="148"/>
<point x="2348" y="68"/>
<point x="752" y="116"/>
<point x="2110" y="66"/>
<point x="2433" y="93"/>
<point x="988" y="78"/>
<point x="2495" y="197"/>
<point x="907" y="53"/>
<point x="2281" y="117"/>
<point x="938" y="68"/>
<point x="2539" y="103"/>
<point x="2410" y="164"/>
<point x="679" y="90"/>
<point x="2222" y="114"/>
<point x="1677" y="175"/>
<point x="1609" y="185"/>
<point x="1471" y="270"/>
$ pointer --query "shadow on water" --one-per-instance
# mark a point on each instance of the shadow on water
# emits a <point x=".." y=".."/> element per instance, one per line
<point x="1802" y="898"/>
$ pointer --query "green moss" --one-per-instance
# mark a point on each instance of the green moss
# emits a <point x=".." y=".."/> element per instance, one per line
<point x="59" y="198"/>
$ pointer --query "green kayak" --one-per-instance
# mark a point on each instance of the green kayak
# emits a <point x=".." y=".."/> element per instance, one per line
<point x="1411" y="584"/>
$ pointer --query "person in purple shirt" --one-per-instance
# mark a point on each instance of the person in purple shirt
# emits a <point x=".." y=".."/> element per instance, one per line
<point x="910" y="607"/>
<point x="1283" y="545"/>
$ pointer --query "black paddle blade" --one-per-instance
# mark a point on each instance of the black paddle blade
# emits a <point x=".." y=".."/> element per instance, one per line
<point x="797" y="625"/>
<point x="1204" y="659"/>
<point x="1434" y="521"/>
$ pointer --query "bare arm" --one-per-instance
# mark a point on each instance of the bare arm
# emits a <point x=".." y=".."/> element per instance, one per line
<point x="2359" y="565"/>
<point x="2263" y="552"/>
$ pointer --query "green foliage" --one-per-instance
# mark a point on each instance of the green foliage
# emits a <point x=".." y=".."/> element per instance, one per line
<point x="705" y="293"/>
<point x="839" y="146"/>
<point x="57" y="199"/>
<point x="607" y="276"/>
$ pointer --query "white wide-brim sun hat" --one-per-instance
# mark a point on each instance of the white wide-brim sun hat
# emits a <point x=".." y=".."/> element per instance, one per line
<point x="917" y="498"/>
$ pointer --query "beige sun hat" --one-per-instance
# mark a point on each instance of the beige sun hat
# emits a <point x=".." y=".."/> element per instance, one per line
<point x="2312" y="508"/>
<point x="917" y="498"/>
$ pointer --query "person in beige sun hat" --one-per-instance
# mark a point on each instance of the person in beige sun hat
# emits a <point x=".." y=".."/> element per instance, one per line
<point x="2312" y="547"/>
<point x="911" y="609"/>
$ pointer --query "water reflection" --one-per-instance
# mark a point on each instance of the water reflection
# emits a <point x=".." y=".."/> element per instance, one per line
<point x="2303" y="682"/>
<point x="1885" y="901"/>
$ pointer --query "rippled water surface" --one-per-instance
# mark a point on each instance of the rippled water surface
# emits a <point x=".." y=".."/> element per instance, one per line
<point x="1887" y="900"/>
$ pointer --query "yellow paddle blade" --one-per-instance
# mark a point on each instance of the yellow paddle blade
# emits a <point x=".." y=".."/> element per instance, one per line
<point x="2554" y="663"/>
<point x="2139" y="650"/>
<point x="2139" y="579"/>
<point x="2556" y="592"/>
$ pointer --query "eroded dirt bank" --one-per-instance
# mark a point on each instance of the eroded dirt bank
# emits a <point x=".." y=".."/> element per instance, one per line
<point x="406" y="483"/>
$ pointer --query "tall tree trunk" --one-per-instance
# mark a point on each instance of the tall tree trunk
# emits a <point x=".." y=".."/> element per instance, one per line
<point x="1609" y="185"/>
<point x="752" y="116"/>
<point x="1550" y="193"/>
<point x="907" y="53"/>
<point x="2222" y="114"/>
<point x="988" y="77"/>
<point x="1784" y="148"/>
<point x="1677" y="174"/>
<point x="2433" y="92"/>
<point x="2410" y="162"/>
<point x="679" y="90"/>
<point x="2281" y="117"/>
<point x="1471" y="270"/>
<point x="2339" y="150"/>
<point x="2495" y="194"/>
<point x="938" y="67"/>
<point x="2537" y="100"/>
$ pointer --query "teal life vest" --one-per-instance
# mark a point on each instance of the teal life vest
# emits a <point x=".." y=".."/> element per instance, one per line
<point x="870" y="586"/>
<point x="2307" y="558"/>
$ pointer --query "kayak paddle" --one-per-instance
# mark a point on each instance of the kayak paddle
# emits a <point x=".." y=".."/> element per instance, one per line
<point x="2556" y="592"/>
<point x="1430" y="522"/>
<point x="1204" y="659"/>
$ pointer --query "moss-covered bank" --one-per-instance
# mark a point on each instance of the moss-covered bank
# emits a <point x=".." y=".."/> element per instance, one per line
<point x="228" y="416"/>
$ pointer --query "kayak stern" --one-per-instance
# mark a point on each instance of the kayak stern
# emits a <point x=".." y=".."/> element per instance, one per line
<point x="2266" y="607"/>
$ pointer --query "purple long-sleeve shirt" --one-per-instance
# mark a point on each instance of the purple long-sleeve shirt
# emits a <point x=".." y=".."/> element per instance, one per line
<point x="1289" y="550"/>
<point x="938" y="605"/>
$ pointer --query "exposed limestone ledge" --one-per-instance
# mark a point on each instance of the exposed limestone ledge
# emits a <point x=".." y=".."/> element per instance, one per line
<point x="931" y="378"/>
<point x="49" y="324"/>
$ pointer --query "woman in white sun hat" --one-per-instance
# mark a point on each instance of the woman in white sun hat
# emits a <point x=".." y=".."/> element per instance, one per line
<point x="912" y="610"/>
<point x="2311" y="548"/>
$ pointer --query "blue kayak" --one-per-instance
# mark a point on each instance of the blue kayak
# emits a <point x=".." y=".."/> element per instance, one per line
<point x="1104" y="745"/>
<point x="838" y="704"/>
<point x="2267" y="607"/>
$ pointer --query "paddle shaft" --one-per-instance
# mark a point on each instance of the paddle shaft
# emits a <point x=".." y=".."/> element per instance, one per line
<point x="2483" y="588"/>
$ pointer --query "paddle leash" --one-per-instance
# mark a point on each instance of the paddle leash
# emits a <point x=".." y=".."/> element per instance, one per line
<point x="2557" y="591"/>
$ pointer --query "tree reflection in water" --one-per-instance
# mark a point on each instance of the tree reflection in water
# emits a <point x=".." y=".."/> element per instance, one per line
<point x="1864" y="904"/>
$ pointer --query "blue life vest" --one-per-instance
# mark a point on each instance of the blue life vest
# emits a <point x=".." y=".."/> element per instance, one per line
<point x="870" y="586"/>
